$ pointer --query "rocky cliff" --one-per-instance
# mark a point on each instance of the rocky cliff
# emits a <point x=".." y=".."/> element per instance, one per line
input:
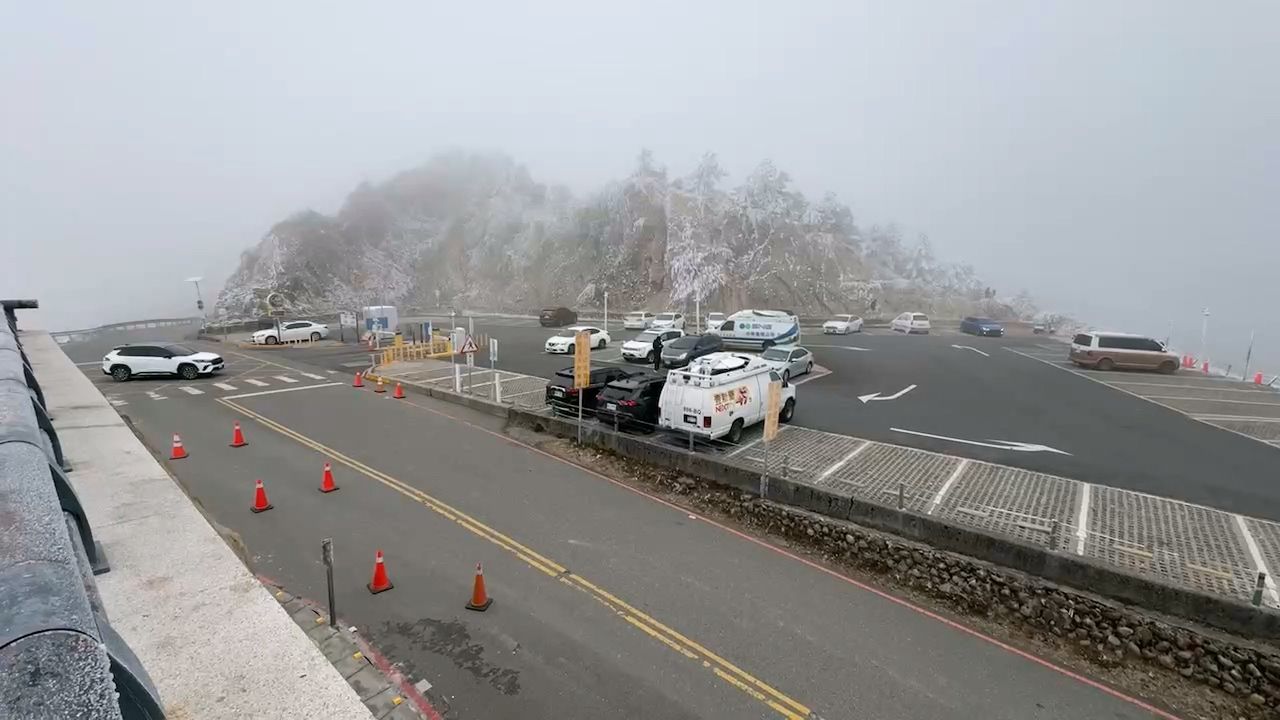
<point x="477" y="232"/>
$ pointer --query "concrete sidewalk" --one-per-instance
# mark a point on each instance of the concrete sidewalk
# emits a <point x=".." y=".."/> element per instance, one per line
<point x="214" y="641"/>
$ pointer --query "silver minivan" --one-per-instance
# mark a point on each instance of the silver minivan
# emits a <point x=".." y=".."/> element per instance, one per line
<point x="1109" y="351"/>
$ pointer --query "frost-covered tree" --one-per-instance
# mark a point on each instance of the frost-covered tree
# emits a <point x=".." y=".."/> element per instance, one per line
<point x="696" y="253"/>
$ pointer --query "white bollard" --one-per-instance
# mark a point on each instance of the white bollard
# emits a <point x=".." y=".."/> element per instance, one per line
<point x="497" y="387"/>
<point x="457" y="379"/>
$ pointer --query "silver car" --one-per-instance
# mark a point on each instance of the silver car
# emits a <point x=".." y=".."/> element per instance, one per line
<point x="789" y="360"/>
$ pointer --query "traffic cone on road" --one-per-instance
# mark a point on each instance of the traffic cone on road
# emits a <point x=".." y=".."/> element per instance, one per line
<point x="480" y="600"/>
<point x="399" y="393"/>
<point x="260" y="503"/>
<point x="1205" y="367"/>
<point x="178" y="452"/>
<point x="1187" y="361"/>
<point x="237" y="437"/>
<point x="359" y="381"/>
<point x="326" y="483"/>
<point x="378" y="388"/>
<point x="380" y="582"/>
<point x="1257" y="378"/>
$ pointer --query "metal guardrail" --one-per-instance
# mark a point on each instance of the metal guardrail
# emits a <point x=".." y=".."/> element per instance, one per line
<point x="59" y="657"/>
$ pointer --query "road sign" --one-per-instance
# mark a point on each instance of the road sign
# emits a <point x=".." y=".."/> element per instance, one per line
<point x="771" y="413"/>
<point x="582" y="359"/>
<point x="469" y="346"/>
<point x="347" y="319"/>
<point x="493" y="350"/>
<point x="276" y="301"/>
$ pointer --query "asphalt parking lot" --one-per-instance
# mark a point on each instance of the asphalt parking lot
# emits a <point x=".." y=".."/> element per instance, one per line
<point x="1013" y="401"/>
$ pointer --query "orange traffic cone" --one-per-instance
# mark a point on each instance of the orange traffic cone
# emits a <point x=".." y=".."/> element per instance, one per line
<point x="480" y="600"/>
<point x="260" y="503"/>
<point x="1257" y="378"/>
<point x="1205" y="367"/>
<point x="359" y="381"/>
<point x="179" y="452"/>
<point x="326" y="483"/>
<point x="380" y="582"/>
<point x="378" y="388"/>
<point x="237" y="437"/>
<point x="399" y="393"/>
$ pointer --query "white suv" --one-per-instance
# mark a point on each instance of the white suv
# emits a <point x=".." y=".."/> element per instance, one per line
<point x="127" y="361"/>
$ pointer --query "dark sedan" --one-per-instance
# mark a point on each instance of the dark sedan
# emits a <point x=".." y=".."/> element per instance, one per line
<point x="631" y="402"/>
<point x="981" y="326"/>
<point x="682" y="351"/>
<point x="557" y="317"/>
<point x="562" y="396"/>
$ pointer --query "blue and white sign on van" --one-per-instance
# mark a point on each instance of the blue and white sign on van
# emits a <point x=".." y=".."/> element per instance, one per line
<point x="759" y="329"/>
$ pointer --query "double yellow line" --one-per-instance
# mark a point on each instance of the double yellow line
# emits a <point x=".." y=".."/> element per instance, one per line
<point x="720" y="667"/>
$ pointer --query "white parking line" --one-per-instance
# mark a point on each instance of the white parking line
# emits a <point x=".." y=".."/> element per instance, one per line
<point x="155" y="395"/>
<point x="285" y="378"/>
<point x="817" y="372"/>
<point x="115" y="402"/>
<point x="313" y="376"/>
<point x="1186" y="386"/>
<point x="224" y="386"/>
<point x="946" y="486"/>
<point x="1240" y="418"/>
<point x="1217" y="400"/>
<point x="1258" y="561"/>
<point x="854" y="453"/>
<point x="259" y="383"/>
<point x="190" y="390"/>
<point x="281" y="390"/>
<point x="748" y="445"/>
<point x="1082" y="517"/>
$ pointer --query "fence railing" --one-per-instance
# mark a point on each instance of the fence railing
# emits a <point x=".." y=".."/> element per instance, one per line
<point x="59" y="657"/>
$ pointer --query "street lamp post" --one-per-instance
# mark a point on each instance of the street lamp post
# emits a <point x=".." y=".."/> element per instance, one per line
<point x="606" y="311"/>
<point x="1204" y="336"/>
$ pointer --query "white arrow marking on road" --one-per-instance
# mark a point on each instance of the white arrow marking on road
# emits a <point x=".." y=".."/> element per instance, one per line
<point x="967" y="347"/>
<point x="877" y="396"/>
<point x="997" y="444"/>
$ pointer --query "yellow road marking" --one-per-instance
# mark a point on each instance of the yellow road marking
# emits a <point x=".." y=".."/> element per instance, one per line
<point x="725" y="670"/>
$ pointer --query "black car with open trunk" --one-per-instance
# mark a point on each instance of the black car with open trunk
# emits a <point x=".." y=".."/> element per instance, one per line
<point x="562" y="396"/>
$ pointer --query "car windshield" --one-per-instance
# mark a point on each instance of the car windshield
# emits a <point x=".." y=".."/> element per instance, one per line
<point x="683" y="343"/>
<point x="775" y="354"/>
<point x="715" y="316"/>
<point x="646" y="337"/>
<point x="179" y="350"/>
<point x="666" y="316"/>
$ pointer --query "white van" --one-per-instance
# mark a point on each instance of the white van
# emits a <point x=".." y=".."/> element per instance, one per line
<point x="719" y="395"/>
<point x="759" y="329"/>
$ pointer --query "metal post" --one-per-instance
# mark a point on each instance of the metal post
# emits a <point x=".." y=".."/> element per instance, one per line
<point x="1204" y="336"/>
<point x="902" y="496"/>
<point x="690" y="441"/>
<point x="457" y="378"/>
<point x="1053" y="534"/>
<point x="606" y="311"/>
<point x="497" y="387"/>
<point x="1258" y="587"/>
<point x="326" y="551"/>
<point x="697" y="313"/>
<point x="580" y="394"/>
<point x="786" y="465"/>
<point x="764" y="472"/>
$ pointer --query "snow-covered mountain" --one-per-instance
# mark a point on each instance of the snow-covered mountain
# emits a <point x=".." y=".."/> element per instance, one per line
<point x="476" y="231"/>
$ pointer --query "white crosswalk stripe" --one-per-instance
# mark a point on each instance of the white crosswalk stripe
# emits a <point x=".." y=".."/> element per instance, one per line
<point x="285" y="378"/>
<point x="155" y="395"/>
<point x="190" y="390"/>
<point x="224" y="386"/>
<point x="259" y="383"/>
<point x="314" y="376"/>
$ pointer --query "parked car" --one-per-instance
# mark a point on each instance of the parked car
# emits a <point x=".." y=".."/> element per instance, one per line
<point x="137" y="360"/>
<point x="788" y="360"/>
<point x="563" y="342"/>
<point x="983" y="327"/>
<point x="759" y="329"/>
<point x="683" y="350"/>
<point x="638" y="320"/>
<point x="562" y="396"/>
<point x="1108" y="351"/>
<point x="291" y="331"/>
<point x="842" y="325"/>
<point x="714" y="321"/>
<point x="673" y="320"/>
<point x="911" y="322"/>
<point x="640" y="348"/>
<point x="1042" y="328"/>
<point x="557" y="317"/>
<point x="720" y="395"/>
<point x="632" y="401"/>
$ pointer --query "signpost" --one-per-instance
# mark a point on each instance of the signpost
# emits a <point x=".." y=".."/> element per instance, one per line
<point x="581" y="370"/>
<point x="326" y="551"/>
<point x="493" y="369"/>
<point x="772" y="407"/>
<point x="469" y="349"/>
<point x="345" y="320"/>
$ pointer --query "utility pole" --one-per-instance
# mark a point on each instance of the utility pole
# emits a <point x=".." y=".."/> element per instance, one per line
<point x="606" y="311"/>
<point x="1204" y="336"/>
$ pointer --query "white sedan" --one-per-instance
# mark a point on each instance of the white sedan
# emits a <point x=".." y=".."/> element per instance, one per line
<point x="291" y="331"/>
<point x="638" y="320"/>
<point x="909" y="322"/>
<point x="673" y="320"/>
<point x="560" y="344"/>
<point x="842" y="325"/>
<point x="788" y="360"/>
<point x="641" y="346"/>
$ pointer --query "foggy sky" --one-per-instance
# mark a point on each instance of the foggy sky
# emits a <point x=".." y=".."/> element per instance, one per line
<point x="1118" y="160"/>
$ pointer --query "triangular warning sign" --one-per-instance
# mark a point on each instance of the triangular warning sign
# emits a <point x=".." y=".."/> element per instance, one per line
<point x="469" y="346"/>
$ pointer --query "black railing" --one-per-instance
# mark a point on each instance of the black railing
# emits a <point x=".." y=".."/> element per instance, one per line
<point x="59" y="657"/>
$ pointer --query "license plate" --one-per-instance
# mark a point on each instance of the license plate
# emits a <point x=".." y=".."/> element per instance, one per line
<point x="611" y="406"/>
<point x="558" y="392"/>
<point x="691" y="419"/>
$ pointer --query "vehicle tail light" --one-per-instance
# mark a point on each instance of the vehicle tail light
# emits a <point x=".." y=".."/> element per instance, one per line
<point x="706" y="421"/>
<point x="628" y="403"/>
<point x="573" y="391"/>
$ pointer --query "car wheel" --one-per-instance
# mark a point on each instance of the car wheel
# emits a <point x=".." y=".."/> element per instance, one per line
<point x="120" y="373"/>
<point x="649" y="358"/>
<point x="272" y="340"/>
<point x="735" y="432"/>
<point x="1106" y="364"/>
<point x="315" y="337"/>
<point x="1168" y="367"/>
<point x="808" y="368"/>
<point x="603" y="343"/>
<point x="788" y="410"/>
<point x="786" y="376"/>
<point x="188" y="372"/>
<point x="570" y="350"/>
